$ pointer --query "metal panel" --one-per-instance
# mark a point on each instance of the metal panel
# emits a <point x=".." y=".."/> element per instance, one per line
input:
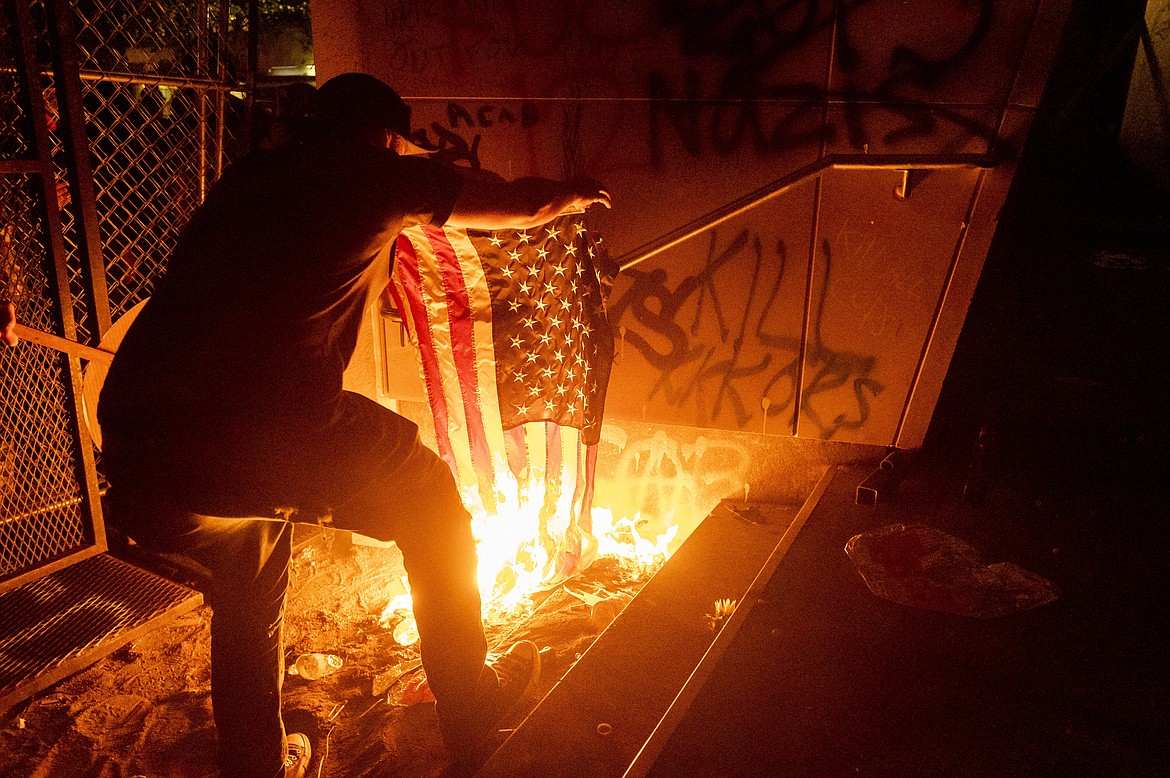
<point x="879" y="271"/>
<point x="685" y="108"/>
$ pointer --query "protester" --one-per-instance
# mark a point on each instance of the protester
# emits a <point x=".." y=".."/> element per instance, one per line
<point x="223" y="414"/>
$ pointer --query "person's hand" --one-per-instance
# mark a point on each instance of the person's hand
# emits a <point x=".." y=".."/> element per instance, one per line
<point x="63" y="196"/>
<point x="8" y="324"/>
<point x="584" y="193"/>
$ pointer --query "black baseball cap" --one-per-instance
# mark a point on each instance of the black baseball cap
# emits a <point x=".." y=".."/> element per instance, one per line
<point x="361" y="100"/>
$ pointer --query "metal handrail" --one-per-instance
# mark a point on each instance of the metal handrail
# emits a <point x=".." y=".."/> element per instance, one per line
<point x="781" y="185"/>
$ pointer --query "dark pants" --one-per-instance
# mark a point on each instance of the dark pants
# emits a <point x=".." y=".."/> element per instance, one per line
<point x="412" y="501"/>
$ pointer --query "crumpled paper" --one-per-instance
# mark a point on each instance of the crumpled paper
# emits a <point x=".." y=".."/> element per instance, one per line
<point x="926" y="568"/>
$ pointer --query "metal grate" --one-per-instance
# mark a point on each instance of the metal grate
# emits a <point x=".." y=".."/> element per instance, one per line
<point x="40" y="514"/>
<point x="39" y="492"/>
<point x="75" y="615"/>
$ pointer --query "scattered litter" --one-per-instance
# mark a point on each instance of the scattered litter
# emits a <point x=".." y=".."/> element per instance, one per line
<point x="603" y="612"/>
<point x="415" y="692"/>
<point x="406" y="631"/>
<point x="590" y="598"/>
<point x="314" y="666"/>
<point x="926" y="568"/>
<point x="391" y="675"/>
<point x="55" y="700"/>
<point x="749" y="513"/>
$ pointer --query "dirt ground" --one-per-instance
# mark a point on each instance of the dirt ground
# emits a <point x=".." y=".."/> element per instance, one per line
<point x="145" y="710"/>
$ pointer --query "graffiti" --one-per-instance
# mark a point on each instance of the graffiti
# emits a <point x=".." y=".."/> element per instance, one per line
<point x="672" y="480"/>
<point x="727" y="126"/>
<point x="729" y="83"/>
<point x="457" y="37"/>
<point x="750" y="39"/>
<point x="445" y="142"/>
<point x="722" y="376"/>
<point x="491" y="115"/>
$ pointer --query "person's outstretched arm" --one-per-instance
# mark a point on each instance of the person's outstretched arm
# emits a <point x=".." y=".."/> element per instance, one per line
<point x="488" y="204"/>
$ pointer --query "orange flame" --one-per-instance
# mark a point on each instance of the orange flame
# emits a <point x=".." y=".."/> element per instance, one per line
<point x="524" y="549"/>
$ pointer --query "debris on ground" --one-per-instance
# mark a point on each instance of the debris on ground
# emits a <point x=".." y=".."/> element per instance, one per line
<point x="926" y="568"/>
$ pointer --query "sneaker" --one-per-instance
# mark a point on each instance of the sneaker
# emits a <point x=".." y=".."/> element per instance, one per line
<point x="296" y="755"/>
<point x="507" y="679"/>
<point x="516" y="670"/>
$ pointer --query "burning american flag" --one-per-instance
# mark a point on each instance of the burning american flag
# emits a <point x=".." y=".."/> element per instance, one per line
<point x="515" y="351"/>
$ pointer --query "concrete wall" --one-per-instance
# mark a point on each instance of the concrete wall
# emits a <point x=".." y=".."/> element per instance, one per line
<point x="830" y="312"/>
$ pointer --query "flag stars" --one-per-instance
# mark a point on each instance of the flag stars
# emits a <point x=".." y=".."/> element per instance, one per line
<point x="514" y="255"/>
<point x="553" y="233"/>
<point x="546" y="338"/>
<point x="550" y="404"/>
<point x="496" y="240"/>
<point x="547" y="372"/>
<point x="517" y="341"/>
<point x="542" y="252"/>
<point x="571" y="249"/>
<point x="523" y="237"/>
<point x="550" y="288"/>
<point x="541" y="304"/>
<point x="514" y="305"/>
<point x="531" y="357"/>
<point x="559" y="269"/>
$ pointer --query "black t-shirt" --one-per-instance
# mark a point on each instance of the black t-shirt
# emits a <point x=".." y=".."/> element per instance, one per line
<point x="249" y="332"/>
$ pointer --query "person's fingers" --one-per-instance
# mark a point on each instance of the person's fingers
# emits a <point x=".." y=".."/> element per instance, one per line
<point x="63" y="195"/>
<point x="8" y="324"/>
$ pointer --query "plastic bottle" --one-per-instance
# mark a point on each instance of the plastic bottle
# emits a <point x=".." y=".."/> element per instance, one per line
<point x="314" y="666"/>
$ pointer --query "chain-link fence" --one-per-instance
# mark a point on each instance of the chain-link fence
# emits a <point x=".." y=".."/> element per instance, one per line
<point x="163" y="114"/>
<point x="157" y="82"/>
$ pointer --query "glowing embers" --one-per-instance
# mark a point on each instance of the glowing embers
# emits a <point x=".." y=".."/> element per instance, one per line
<point x="530" y="545"/>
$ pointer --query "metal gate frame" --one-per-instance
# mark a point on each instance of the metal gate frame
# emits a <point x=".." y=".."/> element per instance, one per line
<point x="159" y="134"/>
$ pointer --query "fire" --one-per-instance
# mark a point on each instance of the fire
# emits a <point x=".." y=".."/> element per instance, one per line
<point x="525" y="547"/>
